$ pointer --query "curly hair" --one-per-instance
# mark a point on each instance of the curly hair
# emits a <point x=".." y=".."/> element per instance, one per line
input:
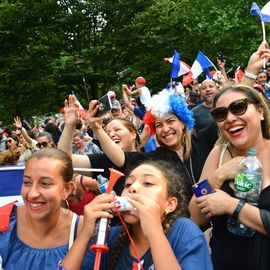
<point x="176" y="188"/>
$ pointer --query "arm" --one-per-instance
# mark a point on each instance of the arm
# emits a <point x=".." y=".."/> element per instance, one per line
<point x="216" y="177"/>
<point x="65" y="141"/>
<point x="149" y="214"/>
<point x="98" y="208"/>
<point x="221" y="65"/>
<point x="88" y="183"/>
<point x="221" y="203"/>
<point x="18" y="124"/>
<point x="126" y="100"/>
<point x="111" y="149"/>
<point x="255" y="63"/>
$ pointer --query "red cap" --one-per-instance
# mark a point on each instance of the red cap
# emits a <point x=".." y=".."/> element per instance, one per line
<point x="140" y="80"/>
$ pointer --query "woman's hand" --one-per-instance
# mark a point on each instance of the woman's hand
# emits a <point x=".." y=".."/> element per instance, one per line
<point x="99" y="207"/>
<point x="217" y="203"/>
<point x="149" y="214"/>
<point x="71" y="111"/>
<point x="262" y="55"/>
<point x="17" y="122"/>
<point x="94" y="120"/>
<point x="227" y="171"/>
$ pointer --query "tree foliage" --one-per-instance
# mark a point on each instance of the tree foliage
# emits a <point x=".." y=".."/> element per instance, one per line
<point x="50" y="48"/>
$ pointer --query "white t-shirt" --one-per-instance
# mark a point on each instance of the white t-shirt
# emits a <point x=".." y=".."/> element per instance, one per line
<point x="145" y="95"/>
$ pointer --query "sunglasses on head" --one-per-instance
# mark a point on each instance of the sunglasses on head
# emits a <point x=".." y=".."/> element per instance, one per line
<point x="237" y="108"/>
<point x="44" y="144"/>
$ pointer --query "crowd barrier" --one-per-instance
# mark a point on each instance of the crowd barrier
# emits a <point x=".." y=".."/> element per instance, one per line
<point x="11" y="181"/>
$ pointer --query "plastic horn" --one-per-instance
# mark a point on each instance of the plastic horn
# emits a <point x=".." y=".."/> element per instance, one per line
<point x="103" y="224"/>
<point x="114" y="176"/>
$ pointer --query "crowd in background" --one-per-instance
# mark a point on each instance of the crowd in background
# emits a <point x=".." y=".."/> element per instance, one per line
<point x="178" y="128"/>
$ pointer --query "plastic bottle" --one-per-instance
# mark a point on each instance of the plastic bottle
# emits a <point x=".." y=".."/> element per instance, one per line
<point x="247" y="187"/>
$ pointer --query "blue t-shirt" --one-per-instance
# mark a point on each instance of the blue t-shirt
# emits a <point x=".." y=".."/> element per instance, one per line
<point x="18" y="256"/>
<point x="186" y="239"/>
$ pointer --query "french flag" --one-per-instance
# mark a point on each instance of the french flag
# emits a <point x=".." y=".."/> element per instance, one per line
<point x="264" y="13"/>
<point x="238" y="74"/>
<point x="82" y="111"/>
<point x="178" y="67"/>
<point x="201" y="64"/>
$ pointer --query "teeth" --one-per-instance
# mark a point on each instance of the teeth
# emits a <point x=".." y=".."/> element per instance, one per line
<point x="36" y="205"/>
<point x="234" y="129"/>
<point x="116" y="141"/>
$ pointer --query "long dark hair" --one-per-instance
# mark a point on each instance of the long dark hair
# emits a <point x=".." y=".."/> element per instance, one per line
<point x="176" y="188"/>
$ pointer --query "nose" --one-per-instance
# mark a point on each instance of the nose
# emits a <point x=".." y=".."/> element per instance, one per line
<point x="33" y="192"/>
<point x="133" y="188"/>
<point x="230" y="117"/>
<point x="165" y="127"/>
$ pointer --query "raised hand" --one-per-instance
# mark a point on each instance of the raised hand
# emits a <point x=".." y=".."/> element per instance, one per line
<point x="94" y="120"/>
<point x="17" y="122"/>
<point x="71" y="111"/>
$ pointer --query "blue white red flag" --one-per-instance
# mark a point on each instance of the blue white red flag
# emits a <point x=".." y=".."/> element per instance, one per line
<point x="264" y="13"/>
<point x="81" y="109"/>
<point x="183" y="67"/>
<point x="201" y="64"/>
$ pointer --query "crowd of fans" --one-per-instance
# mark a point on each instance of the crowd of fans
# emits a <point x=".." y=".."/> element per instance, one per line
<point x="164" y="144"/>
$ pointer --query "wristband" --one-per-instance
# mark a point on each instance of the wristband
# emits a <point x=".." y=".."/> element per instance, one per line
<point x="250" y="75"/>
<point x="237" y="210"/>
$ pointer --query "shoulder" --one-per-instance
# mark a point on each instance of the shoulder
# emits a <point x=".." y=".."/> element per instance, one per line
<point x="185" y="229"/>
<point x="216" y="151"/>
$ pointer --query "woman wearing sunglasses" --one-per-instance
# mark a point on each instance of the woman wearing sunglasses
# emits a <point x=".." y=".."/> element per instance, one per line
<point x="13" y="152"/>
<point x="243" y="120"/>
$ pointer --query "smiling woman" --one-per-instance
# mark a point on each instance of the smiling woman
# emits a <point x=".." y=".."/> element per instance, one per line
<point x="242" y="116"/>
<point x="41" y="228"/>
<point x="170" y="119"/>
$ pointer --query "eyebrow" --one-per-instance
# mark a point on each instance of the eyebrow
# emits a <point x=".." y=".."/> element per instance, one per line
<point x="145" y="174"/>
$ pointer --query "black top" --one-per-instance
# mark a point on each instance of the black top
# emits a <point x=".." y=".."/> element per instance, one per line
<point x="133" y="159"/>
<point x="234" y="252"/>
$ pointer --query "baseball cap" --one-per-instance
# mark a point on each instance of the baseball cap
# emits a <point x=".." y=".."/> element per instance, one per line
<point x="140" y="80"/>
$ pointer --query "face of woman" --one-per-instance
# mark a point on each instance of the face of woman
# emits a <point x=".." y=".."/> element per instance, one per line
<point x="121" y="135"/>
<point x="148" y="181"/>
<point x="11" y="143"/>
<point x="78" y="141"/>
<point x="241" y="131"/>
<point x="169" y="131"/>
<point x="43" y="188"/>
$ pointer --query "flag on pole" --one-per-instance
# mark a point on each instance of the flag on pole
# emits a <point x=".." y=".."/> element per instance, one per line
<point x="183" y="67"/>
<point x="175" y="66"/>
<point x="81" y="109"/>
<point x="264" y="13"/>
<point x="201" y="64"/>
<point x="238" y="74"/>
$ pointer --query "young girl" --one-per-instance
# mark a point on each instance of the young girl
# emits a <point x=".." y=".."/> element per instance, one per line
<point x="163" y="237"/>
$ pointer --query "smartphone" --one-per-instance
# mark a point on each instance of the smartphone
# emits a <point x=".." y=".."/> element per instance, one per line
<point x="220" y="56"/>
<point x="104" y="105"/>
<point x="202" y="188"/>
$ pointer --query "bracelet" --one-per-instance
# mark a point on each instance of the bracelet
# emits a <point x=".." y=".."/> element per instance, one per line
<point x="238" y="208"/>
<point x="250" y="75"/>
<point x="81" y="182"/>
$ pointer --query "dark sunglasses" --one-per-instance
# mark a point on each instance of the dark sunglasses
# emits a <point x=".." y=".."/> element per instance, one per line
<point x="237" y="108"/>
<point x="44" y="144"/>
<point x="9" y="141"/>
